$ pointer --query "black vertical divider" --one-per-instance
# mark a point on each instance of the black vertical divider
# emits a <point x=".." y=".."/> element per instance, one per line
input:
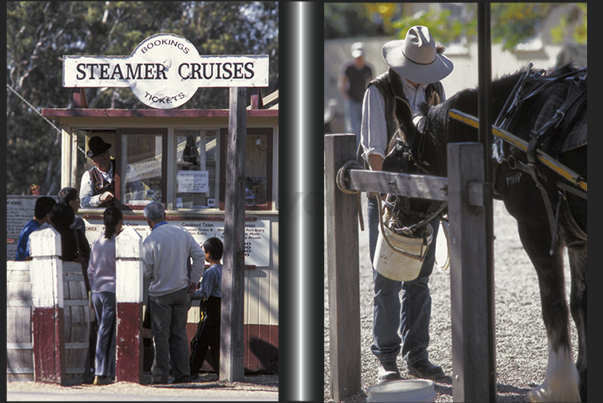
<point x="301" y="309"/>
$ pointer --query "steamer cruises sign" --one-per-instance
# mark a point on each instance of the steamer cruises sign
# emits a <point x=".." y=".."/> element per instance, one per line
<point x="165" y="71"/>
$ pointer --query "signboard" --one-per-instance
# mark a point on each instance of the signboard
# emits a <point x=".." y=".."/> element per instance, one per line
<point x="193" y="181"/>
<point x="164" y="71"/>
<point x="257" y="236"/>
<point x="19" y="210"/>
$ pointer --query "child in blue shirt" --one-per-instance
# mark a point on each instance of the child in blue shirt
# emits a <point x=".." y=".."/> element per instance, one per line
<point x="210" y="294"/>
<point x="41" y="216"/>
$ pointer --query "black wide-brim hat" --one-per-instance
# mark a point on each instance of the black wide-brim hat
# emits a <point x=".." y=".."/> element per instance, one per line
<point x="96" y="146"/>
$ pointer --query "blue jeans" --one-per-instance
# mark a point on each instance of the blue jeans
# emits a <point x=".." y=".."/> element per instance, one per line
<point x="393" y="318"/>
<point x="104" y="308"/>
<point x="353" y="118"/>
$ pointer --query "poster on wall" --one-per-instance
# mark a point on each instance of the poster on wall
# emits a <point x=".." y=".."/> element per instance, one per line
<point x="257" y="236"/>
<point x="19" y="210"/>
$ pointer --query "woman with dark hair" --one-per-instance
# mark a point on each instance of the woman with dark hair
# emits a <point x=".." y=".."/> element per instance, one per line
<point x="101" y="272"/>
<point x="62" y="216"/>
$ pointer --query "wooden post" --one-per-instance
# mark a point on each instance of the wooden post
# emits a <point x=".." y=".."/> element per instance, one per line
<point x="468" y="275"/>
<point x="231" y="343"/>
<point x="343" y="272"/>
<point x="47" y="306"/>
<point x="129" y="296"/>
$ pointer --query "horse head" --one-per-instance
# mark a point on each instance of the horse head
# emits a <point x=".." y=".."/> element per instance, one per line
<point x="410" y="152"/>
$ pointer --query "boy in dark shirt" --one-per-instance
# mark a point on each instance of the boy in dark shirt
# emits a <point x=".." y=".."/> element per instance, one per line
<point x="210" y="294"/>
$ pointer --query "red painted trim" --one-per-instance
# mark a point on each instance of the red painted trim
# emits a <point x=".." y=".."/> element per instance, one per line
<point x="48" y="326"/>
<point x="129" y="346"/>
<point x="151" y="113"/>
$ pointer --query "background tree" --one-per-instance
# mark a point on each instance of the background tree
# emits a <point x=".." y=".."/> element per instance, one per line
<point x="512" y="23"/>
<point x="39" y="34"/>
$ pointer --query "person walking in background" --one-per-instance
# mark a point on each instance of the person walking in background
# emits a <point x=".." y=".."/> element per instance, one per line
<point x="101" y="274"/>
<point x="210" y="294"/>
<point x="41" y="216"/>
<point x="70" y="196"/>
<point x="354" y="77"/>
<point x="165" y="254"/>
<point x="416" y="67"/>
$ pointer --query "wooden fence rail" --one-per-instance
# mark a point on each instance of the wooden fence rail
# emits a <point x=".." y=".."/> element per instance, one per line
<point x="466" y="194"/>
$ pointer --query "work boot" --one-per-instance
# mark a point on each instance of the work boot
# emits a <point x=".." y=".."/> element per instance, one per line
<point x="389" y="372"/>
<point x="424" y="369"/>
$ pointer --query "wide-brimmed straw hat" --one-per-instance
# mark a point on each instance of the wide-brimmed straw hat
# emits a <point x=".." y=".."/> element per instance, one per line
<point x="416" y="58"/>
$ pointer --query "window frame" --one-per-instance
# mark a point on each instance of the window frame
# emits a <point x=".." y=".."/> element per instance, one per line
<point x="251" y="131"/>
<point x="120" y="132"/>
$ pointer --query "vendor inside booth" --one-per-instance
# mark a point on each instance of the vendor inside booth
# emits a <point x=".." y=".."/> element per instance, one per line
<point x="178" y="157"/>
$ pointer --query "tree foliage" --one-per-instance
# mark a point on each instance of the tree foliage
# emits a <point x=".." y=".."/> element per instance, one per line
<point x="512" y="23"/>
<point x="39" y="34"/>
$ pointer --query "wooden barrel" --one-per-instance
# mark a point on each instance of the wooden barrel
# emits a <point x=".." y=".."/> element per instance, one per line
<point x="76" y="313"/>
<point x="77" y="316"/>
<point x="19" y="353"/>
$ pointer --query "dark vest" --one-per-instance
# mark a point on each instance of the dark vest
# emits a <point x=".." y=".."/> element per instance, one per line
<point x="386" y="83"/>
<point x="100" y="185"/>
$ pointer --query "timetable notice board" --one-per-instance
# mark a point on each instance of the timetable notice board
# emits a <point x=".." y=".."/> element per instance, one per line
<point x="19" y="210"/>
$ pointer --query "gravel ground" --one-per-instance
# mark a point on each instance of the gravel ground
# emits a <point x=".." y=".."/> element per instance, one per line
<point x="207" y="388"/>
<point x="521" y="345"/>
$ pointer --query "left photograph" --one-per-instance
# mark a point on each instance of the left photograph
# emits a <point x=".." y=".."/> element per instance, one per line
<point x="142" y="200"/>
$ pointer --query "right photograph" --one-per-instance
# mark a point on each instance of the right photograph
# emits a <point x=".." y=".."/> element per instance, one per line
<point x="455" y="202"/>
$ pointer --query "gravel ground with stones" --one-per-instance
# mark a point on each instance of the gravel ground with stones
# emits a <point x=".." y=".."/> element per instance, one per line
<point x="207" y="388"/>
<point x="521" y="345"/>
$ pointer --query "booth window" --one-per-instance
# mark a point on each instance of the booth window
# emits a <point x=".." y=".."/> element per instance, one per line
<point x="139" y="162"/>
<point x="258" y="169"/>
<point x="142" y="165"/>
<point x="196" y="161"/>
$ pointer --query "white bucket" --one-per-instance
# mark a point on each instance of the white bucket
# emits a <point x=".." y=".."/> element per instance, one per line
<point x="412" y="390"/>
<point x="442" y="245"/>
<point x="394" y="265"/>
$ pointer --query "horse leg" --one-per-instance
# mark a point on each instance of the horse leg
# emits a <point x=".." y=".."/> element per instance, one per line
<point x="561" y="379"/>
<point x="577" y="259"/>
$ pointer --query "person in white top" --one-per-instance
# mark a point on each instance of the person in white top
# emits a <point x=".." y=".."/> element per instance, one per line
<point x="416" y="67"/>
<point x="102" y="274"/>
<point x="165" y="255"/>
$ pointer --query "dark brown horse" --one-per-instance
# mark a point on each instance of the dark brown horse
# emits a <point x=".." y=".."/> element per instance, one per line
<point x="551" y="213"/>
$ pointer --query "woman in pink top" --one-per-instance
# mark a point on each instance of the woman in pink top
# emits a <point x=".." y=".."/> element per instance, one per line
<point x="101" y="273"/>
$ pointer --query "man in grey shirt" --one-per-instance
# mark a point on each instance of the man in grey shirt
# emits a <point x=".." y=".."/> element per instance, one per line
<point x="165" y="253"/>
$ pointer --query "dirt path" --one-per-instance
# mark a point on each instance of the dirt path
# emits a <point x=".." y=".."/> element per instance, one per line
<point x="521" y="346"/>
<point x="208" y="388"/>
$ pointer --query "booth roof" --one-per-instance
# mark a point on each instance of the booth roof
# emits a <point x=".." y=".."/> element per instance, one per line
<point x="151" y="113"/>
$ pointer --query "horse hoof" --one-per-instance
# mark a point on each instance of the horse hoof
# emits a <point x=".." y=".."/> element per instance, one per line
<point x="543" y="394"/>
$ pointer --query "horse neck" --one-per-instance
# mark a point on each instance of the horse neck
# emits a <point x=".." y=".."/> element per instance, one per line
<point x="452" y="131"/>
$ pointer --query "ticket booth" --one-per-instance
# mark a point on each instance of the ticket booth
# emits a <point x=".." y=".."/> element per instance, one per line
<point x="178" y="157"/>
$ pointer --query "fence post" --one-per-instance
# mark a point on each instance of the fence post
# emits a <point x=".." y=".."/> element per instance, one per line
<point x="468" y="275"/>
<point x="47" y="306"/>
<point x="343" y="272"/>
<point x="232" y="347"/>
<point x="129" y="297"/>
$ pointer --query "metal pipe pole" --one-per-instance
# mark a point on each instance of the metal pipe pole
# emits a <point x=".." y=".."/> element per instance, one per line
<point x="485" y="137"/>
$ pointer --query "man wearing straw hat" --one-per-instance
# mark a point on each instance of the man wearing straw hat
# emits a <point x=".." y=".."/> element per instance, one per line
<point x="416" y="67"/>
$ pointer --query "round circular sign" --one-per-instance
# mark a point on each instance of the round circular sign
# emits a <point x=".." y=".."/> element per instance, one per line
<point x="158" y="58"/>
